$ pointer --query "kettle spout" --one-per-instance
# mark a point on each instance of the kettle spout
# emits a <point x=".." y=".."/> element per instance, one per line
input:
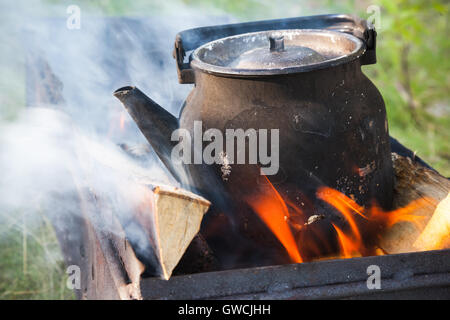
<point x="155" y="123"/>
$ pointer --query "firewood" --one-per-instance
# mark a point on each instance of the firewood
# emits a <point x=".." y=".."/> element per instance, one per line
<point x="177" y="215"/>
<point x="44" y="88"/>
<point x="413" y="182"/>
<point x="436" y="234"/>
<point x="167" y="219"/>
<point x="198" y="258"/>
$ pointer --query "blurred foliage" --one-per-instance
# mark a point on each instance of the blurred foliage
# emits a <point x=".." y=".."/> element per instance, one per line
<point x="31" y="265"/>
<point x="412" y="74"/>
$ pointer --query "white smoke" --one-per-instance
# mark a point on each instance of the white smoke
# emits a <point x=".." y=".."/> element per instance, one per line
<point x="49" y="152"/>
<point x="52" y="151"/>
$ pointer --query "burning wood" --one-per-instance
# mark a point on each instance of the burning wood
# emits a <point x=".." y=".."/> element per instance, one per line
<point x="114" y="259"/>
<point x="357" y="230"/>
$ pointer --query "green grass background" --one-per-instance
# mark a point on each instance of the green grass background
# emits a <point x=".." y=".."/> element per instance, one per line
<point x="412" y="74"/>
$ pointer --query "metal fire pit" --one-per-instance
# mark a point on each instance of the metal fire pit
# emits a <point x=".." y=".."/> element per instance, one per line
<point x="419" y="275"/>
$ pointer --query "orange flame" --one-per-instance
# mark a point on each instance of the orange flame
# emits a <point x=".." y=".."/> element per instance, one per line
<point x="349" y="247"/>
<point x="351" y="244"/>
<point x="344" y="205"/>
<point x="402" y="214"/>
<point x="271" y="208"/>
<point x="122" y="121"/>
<point x="279" y="215"/>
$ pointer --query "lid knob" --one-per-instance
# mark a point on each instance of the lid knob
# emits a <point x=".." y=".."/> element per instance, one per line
<point x="276" y="43"/>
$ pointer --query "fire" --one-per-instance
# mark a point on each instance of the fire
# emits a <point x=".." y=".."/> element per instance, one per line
<point x="122" y="121"/>
<point x="344" y="205"/>
<point x="348" y="245"/>
<point x="117" y="124"/>
<point x="374" y="218"/>
<point x="278" y="213"/>
<point x="273" y="211"/>
<point x="402" y="214"/>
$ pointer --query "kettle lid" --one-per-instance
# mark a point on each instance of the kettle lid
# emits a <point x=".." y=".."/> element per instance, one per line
<point x="276" y="55"/>
<point x="276" y="52"/>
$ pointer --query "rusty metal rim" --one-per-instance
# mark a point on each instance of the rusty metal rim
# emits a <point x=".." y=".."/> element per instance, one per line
<point x="202" y="66"/>
<point x="427" y="285"/>
<point x="422" y="271"/>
